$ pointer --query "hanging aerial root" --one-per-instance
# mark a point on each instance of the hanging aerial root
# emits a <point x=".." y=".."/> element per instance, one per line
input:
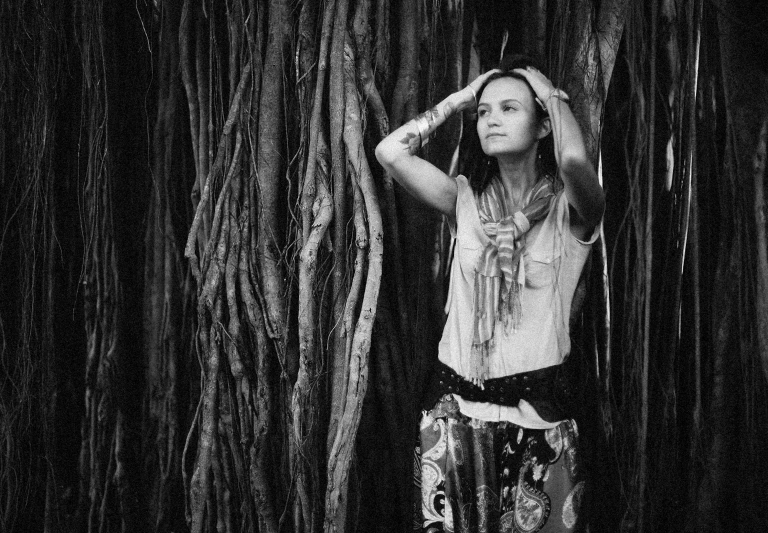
<point x="270" y="155"/>
<point x="189" y="249"/>
<point x="200" y="488"/>
<point x="316" y="213"/>
<point x="189" y="87"/>
<point x="340" y="222"/>
<point x="303" y="409"/>
<point x="362" y="33"/>
<point x="209" y="289"/>
<point x="758" y="172"/>
<point x="310" y="183"/>
<point x="361" y="241"/>
<point x="340" y="456"/>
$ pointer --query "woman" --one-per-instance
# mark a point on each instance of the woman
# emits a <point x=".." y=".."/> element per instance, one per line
<point x="498" y="445"/>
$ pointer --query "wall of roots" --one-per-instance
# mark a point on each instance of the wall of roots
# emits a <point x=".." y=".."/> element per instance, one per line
<point x="217" y="312"/>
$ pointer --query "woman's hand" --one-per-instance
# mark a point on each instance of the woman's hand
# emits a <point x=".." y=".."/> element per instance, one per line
<point x="539" y="83"/>
<point x="470" y="92"/>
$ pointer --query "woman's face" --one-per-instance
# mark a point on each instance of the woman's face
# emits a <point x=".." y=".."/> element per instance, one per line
<point x="506" y="118"/>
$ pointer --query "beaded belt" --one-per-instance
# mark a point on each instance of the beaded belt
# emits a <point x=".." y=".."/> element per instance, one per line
<point x="549" y="390"/>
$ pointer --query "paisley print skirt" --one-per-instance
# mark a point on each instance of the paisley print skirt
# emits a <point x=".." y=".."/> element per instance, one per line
<point x="476" y="476"/>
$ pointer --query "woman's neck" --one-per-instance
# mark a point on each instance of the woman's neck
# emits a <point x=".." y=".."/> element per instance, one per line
<point x="518" y="175"/>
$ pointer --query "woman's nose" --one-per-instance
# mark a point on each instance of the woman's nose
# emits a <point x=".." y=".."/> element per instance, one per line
<point x="493" y="118"/>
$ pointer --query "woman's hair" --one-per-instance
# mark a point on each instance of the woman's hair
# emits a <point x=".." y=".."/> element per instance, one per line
<point x="481" y="168"/>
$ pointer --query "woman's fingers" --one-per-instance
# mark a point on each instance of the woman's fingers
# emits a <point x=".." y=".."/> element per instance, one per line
<point x="478" y="82"/>
<point x="474" y="87"/>
<point x="539" y="82"/>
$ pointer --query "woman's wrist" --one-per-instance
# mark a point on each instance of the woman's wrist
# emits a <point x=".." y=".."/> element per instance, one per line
<point x="425" y="126"/>
<point x="557" y="94"/>
<point x="471" y="90"/>
<point x="427" y="122"/>
<point x="465" y="98"/>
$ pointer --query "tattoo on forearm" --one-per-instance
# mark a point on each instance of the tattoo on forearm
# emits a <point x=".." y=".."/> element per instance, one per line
<point x="411" y="141"/>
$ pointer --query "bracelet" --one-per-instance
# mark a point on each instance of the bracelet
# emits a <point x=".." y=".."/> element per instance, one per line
<point x="559" y="94"/>
<point x="423" y="126"/>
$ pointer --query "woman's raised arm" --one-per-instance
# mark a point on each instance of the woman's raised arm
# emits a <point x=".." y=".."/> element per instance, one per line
<point x="581" y="184"/>
<point x="397" y="152"/>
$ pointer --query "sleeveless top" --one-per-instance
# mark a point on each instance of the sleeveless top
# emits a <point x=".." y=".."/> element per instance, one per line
<point x="553" y="262"/>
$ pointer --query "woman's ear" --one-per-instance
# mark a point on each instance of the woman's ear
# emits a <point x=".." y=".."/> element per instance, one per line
<point x="545" y="128"/>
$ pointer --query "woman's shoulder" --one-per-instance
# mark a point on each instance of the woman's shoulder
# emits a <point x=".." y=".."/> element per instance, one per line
<point x="463" y="192"/>
<point x="465" y="196"/>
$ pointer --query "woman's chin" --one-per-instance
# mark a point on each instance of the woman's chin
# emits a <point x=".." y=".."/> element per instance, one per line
<point x="500" y="151"/>
<point x="497" y="148"/>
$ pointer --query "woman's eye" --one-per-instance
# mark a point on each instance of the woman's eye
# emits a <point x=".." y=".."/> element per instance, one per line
<point x="509" y="108"/>
<point x="482" y="112"/>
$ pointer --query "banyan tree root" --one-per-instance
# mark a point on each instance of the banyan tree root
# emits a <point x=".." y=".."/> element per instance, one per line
<point x="340" y="456"/>
<point x="336" y="102"/>
<point x="102" y="461"/>
<point x="241" y="313"/>
<point x="758" y="173"/>
<point x="316" y="215"/>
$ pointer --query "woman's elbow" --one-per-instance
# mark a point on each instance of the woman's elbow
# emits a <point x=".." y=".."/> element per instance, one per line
<point x="384" y="154"/>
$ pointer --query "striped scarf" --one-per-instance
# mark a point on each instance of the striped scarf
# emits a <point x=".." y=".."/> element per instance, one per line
<point x="500" y="273"/>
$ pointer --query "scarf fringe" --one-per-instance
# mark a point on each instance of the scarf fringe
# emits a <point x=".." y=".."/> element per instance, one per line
<point x="511" y="308"/>
<point x="478" y="369"/>
<point x="508" y="309"/>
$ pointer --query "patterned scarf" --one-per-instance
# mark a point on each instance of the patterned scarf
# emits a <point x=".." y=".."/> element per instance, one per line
<point x="500" y="273"/>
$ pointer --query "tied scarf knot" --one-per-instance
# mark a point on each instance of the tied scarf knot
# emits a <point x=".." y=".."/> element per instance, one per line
<point x="500" y="270"/>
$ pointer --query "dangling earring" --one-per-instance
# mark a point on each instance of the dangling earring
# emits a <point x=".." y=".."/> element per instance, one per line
<point x="488" y="165"/>
<point x="488" y="174"/>
<point x="539" y="165"/>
